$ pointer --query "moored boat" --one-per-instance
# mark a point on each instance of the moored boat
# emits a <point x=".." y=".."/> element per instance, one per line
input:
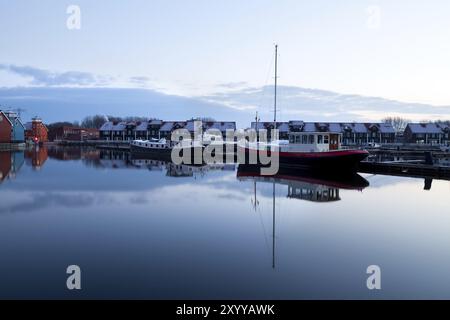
<point x="320" y="150"/>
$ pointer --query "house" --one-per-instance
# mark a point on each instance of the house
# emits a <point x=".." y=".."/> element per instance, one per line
<point x="169" y="126"/>
<point x="283" y="128"/>
<point x="11" y="128"/>
<point x="352" y="133"/>
<point x="363" y="133"/>
<point x="113" y="130"/>
<point x="70" y="133"/>
<point x="36" y="131"/>
<point x="211" y="126"/>
<point x="427" y="133"/>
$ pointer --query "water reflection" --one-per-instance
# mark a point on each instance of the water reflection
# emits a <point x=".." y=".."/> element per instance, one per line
<point x="10" y="164"/>
<point x="306" y="186"/>
<point x="166" y="231"/>
<point x="301" y="184"/>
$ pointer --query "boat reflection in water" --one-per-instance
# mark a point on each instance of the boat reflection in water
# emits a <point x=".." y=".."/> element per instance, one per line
<point x="306" y="185"/>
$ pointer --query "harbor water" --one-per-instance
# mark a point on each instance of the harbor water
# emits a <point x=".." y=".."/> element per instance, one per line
<point x="142" y="228"/>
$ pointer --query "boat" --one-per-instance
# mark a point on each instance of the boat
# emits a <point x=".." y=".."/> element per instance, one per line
<point x="162" y="149"/>
<point x="321" y="150"/>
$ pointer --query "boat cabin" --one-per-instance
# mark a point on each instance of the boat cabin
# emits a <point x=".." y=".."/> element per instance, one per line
<point x="314" y="141"/>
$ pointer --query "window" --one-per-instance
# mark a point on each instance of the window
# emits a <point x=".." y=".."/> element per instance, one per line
<point x="291" y="139"/>
<point x="319" y="139"/>
<point x="311" y="139"/>
<point x="304" y="139"/>
<point x="325" y="139"/>
<point x="297" y="139"/>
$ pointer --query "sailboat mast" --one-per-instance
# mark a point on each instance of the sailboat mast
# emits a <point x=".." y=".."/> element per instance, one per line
<point x="275" y="90"/>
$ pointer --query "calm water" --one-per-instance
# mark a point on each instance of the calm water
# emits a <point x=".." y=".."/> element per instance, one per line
<point x="145" y="229"/>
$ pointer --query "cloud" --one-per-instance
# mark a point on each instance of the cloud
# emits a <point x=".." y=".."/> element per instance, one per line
<point x="43" y="77"/>
<point x="140" y="81"/>
<point x="317" y="105"/>
<point x="232" y="85"/>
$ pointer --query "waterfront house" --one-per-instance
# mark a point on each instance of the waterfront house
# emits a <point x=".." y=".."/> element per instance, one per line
<point x="5" y="128"/>
<point x="213" y="126"/>
<point x="169" y="126"/>
<point x="427" y="133"/>
<point x="131" y="130"/>
<point x="283" y="128"/>
<point x="113" y="130"/>
<point x="352" y="133"/>
<point x="11" y="128"/>
<point x="36" y="131"/>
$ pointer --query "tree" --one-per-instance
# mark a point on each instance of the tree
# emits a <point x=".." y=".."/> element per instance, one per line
<point x="61" y="124"/>
<point x="398" y="123"/>
<point x="93" y="121"/>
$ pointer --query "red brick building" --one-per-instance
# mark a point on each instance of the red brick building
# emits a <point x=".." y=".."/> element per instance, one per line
<point x="36" y="131"/>
<point x="73" y="134"/>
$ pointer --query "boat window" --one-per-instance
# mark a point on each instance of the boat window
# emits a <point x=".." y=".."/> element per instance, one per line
<point x="325" y="139"/>
<point x="311" y="139"/>
<point x="297" y="139"/>
<point x="291" y="138"/>
<point x="319" y="139"/>
<point x="304" y="139"/>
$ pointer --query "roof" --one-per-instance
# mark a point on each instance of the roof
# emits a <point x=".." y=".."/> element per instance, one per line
<point x="357" y="127"/>
<point x="386" y="128"/>
<point x="425" y="128"/>
<point x="6" y="117"/>
<point x="169" y="125"/>
<point x="281" y="126"/>
<point x="142" y="126"/>
<point x="111" y="126"/>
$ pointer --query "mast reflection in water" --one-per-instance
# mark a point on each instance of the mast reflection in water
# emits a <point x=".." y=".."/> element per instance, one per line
<point x="302" y="185"/>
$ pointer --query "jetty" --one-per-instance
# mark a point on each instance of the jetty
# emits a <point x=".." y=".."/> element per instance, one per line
<point x="406" y="169"/>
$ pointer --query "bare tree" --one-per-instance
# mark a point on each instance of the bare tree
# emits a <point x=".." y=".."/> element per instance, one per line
<point x="398" y="123"/>
<point x="93" y="121"/>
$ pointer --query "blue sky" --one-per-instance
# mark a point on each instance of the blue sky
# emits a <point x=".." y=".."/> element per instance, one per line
<point x="398" y="50"/>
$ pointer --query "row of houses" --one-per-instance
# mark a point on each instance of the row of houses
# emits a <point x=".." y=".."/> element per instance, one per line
<point x="127" y="131"/>
<point x="357" y="133"/>
<point x="427" y="133"/>
<point x="12" y="130"/>
<point x="352" y="133"/>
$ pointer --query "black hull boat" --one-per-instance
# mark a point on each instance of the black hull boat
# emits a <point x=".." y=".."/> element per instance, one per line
<point x="342" y="180"/>
<point x="326" y="161"/>
<point x="138" y="152"/>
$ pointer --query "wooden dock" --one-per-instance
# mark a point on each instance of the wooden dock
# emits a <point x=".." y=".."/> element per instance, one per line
<point x="406" y="169"/>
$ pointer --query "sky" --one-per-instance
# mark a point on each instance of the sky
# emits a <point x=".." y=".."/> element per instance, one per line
<point x="217" y="51"/>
